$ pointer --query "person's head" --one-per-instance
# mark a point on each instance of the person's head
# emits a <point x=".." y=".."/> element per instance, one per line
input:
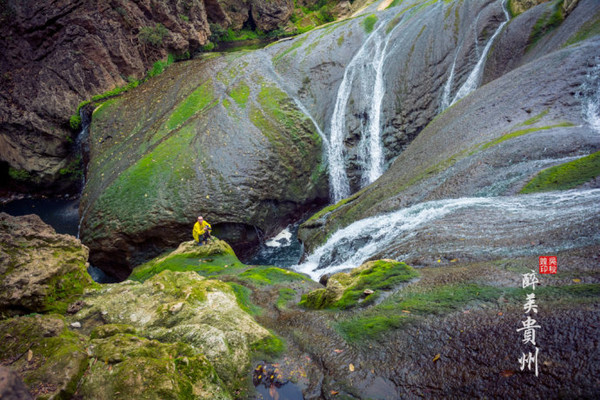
<point x="200" y="219"/>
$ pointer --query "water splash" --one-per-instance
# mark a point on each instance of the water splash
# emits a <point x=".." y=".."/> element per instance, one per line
<point x="497" y="217"/>
<point x="590" y="97"/>
<point x="474" y="78"/>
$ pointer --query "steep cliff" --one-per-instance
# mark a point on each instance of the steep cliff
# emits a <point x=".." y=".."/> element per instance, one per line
<point x="58" y="53"/>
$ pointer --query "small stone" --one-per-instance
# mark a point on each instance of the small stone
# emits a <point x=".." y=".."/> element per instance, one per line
<point x="176" y="307"/>
<point x="368" y="292"/>
<point x="76" y="325"/>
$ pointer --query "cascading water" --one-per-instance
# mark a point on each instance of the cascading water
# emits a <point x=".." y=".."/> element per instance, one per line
<point x="367" y="68"/>
<point x="500" y="218"/>
<point x="590" y="97"/>
<point x="474" y="78"/>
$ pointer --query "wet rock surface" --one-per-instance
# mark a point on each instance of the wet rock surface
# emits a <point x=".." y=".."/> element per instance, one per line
<point x="214" y="137"/>
<point x="40" y="270"/>
<point x="485" y="145"/>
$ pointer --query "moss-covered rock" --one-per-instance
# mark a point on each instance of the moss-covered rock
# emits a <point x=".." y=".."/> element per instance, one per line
<point x="50" y="357"/>
<point x="40" y="270"/>
<point x="361" y="286"/>
<point x="216" y="136"/>
<point x="125" y="366"/>
<point x="183" y="306"/>
<point x="216" y="259"/>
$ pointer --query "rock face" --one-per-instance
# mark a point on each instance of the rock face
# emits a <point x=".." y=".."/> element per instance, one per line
<point x="182" y="307"/>
<point x="59" y="53"/>
<point x="213" y="137"/>
<point x="40" y="270"/>
<point x="487" y="144"/>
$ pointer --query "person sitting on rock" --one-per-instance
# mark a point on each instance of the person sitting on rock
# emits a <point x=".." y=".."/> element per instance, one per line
<point x="201" y="231"/>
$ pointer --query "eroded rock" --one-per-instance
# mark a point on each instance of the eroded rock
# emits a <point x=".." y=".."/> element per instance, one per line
<point x="40" y="269"/>
<point x="209" y="317"/>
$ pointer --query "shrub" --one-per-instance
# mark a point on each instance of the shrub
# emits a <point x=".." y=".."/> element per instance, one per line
<point x="153" y="35"/>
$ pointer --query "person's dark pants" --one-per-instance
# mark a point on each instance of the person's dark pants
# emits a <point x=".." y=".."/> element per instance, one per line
<point x="204" y="238"/>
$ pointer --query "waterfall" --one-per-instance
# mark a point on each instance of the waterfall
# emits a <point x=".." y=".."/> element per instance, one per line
<point x="365" y="67"/>
<point x="499" y="218"/>
<point x="474" y="77"/>
<point x="589" y="96"/>
<point x="448" y="86"/>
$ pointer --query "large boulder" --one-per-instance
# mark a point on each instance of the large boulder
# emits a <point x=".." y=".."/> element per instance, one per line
<point x="216" y="137"/>
<point x="182" y="307"/>
<point x="40" y="270"/>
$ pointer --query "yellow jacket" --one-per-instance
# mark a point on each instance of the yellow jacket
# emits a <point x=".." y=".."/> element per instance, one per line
<point x="199" y="230"/>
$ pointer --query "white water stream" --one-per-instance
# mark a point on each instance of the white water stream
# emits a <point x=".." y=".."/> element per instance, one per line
<point x="474" y="78"/>
<point x="366" y="67"/>
<point x="590" y="97"/>
<point x="493" y="218"/>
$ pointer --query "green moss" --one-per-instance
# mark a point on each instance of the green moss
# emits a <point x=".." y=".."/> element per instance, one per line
<point x="369" y="327"/>
<point x="139" y="368"/>
<point x="369" y="23"/>
<point x="19" y="174"/>
<point x="403" y="307"/>
<point x="536" y="118"/>
<point x="285" y="296"/>
<point x="340" y="40"/>
<point x="296" y="44"/>
<point x="240" y="94"/>
<point x="332" y="207"/>
<point x="66" y="288"/>
<point x="75" y="122"/>
<point x="376" y="276"/>
<point x="242" y="294"/>
<point x="195" y="103"/>
<point x="549" y="21"/>
<point x="522" y="132"/>
<point x="589" y="29"/>
<point x="264" y="275"/>
<point x="267" y="349"/>
<point x="54" y="348"/>
<point x="565" y="176"/>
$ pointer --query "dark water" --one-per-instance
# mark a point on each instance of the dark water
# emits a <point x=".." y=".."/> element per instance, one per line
<point x="270" y="385"/>
<point x="62" y="215"/>
<point x="283" y="250"/>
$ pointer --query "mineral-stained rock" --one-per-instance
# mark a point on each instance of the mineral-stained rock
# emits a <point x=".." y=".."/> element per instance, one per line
<point x="50" y="358"/>
<point x="40" y="270"/>
<point x="208" y="317"/>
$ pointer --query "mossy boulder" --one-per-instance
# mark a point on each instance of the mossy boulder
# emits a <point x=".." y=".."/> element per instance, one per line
<point x="216" y="136"/>
<point x="361" y="286"/>
<point x="182" y="306"/>
<point x="50" y="358"/>
<point x="40" y="270"/>
<point x="125" y="366"/>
